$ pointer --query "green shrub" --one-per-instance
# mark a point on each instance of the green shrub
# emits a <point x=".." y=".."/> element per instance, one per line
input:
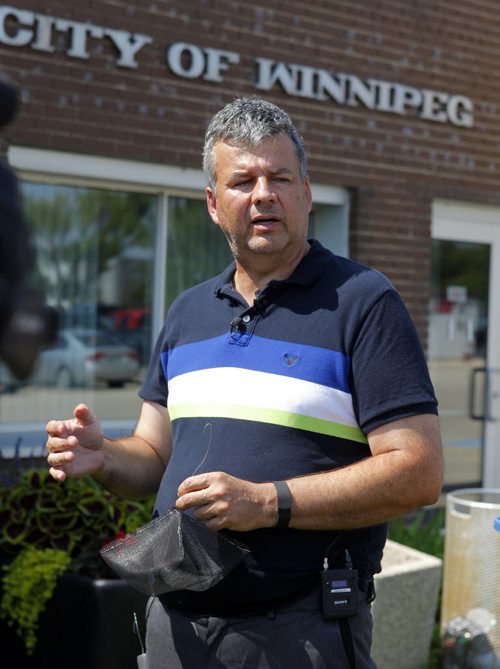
<point x="28" y="584"/>
<point x="423" y="531"/>
<point x="49" y="527"/>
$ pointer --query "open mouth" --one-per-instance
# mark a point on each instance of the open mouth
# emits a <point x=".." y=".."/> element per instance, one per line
<point x="265" y="220"/>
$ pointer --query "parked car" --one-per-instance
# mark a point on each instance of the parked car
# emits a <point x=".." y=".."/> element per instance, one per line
<point x="82" y="357"/>
<point x="129" y="326"/>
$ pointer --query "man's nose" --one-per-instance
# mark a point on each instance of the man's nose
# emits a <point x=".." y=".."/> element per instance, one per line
<point x="263" y="191"/>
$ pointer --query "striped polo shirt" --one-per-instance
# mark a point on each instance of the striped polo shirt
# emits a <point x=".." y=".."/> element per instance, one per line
<point x="287" y="386"/>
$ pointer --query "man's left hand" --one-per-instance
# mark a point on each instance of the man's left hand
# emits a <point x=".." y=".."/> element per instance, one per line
<point x="225" y="502"/>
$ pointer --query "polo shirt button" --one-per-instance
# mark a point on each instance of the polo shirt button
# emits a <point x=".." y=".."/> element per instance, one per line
<point x="246" y="318"/>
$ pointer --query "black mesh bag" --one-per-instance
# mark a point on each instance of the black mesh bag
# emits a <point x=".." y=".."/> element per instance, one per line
<point x="173" y="552"/>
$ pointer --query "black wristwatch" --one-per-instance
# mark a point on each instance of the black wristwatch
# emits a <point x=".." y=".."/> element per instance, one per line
<point x="284" y="503"/>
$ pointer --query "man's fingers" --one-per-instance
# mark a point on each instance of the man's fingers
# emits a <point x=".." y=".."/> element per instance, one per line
<point x="56" y="428"/>
<point x="193" y="483"/>
<point x="191" y="499"/>
<point x="205" y="511"/>
<point x="57" y="474"/>
<point x="75" y="445"/>
<point x="63" y="428"/>
<point x="57" y="459"/>
<point x="57" y="444"/>
<point x="84" y="415"/>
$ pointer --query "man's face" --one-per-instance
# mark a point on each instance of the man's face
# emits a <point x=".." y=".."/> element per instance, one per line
<point x="261" y="202"/>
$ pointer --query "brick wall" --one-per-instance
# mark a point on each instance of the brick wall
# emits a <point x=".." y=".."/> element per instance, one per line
<point x="394" y="165"/>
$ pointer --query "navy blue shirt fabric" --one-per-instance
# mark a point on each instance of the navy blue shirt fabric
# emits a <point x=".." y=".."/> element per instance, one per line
<point x="291" y="387"/>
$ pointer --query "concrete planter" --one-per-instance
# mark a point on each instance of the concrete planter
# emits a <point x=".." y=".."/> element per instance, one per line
<point x="404" y="610"/>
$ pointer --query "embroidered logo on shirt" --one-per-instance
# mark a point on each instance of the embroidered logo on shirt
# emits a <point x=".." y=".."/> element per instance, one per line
<point x="290" y="359"/>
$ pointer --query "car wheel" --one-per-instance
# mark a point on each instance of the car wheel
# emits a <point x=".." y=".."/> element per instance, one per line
<point x="63" y="379"/>
<point x="116" y="384"/>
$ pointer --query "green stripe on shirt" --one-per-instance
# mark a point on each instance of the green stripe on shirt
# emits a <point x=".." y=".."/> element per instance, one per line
<point x="271" y="416"/>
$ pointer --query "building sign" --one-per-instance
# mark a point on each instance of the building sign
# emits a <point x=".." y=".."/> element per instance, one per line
<point x="21" y="28"/>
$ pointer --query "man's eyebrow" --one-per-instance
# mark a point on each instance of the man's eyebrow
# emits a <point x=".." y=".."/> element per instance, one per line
<point x="243" y="172"/>
<point x="239" y="173"/>
<point x="281" y="170"/>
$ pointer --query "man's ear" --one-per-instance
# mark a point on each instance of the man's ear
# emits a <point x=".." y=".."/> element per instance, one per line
<point x="212" y="204"/>
<point x="307" y="185"/>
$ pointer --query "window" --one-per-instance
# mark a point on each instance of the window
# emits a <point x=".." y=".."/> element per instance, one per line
<point x="115" y="243"/>
<point x="95" y="253"/>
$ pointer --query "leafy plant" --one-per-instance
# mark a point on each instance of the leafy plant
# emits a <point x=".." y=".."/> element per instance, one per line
<point x="77" y="517"/>
<point x="423" y="531"/>
<point x="28" y="584"/>
<point x="47" y="528"/>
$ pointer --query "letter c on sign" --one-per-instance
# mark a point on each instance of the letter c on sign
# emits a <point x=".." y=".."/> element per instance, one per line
<point x="22" y="37"/>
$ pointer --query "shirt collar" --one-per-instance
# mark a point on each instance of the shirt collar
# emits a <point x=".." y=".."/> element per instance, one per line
<point x="307" y="273"/>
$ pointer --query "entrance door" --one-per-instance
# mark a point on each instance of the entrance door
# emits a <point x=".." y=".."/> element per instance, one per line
<point x="464" y="340"/>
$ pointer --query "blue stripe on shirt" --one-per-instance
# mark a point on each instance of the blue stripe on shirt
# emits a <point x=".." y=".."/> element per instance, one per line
<point x="299" y="361"/>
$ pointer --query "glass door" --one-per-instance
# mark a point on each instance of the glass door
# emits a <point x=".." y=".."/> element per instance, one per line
<point x="463" y="351"/>
<point x="458" y="323"/>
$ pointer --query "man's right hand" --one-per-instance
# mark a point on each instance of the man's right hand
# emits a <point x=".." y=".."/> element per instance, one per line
<point x="75" y="445"/>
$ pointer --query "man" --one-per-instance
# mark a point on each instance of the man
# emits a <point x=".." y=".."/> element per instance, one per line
<point x="307" y="370"/>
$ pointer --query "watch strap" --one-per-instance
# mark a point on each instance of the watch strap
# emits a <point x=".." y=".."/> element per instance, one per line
<point x="284" y="503"/>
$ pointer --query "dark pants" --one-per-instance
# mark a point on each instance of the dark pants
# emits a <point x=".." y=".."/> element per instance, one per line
<point x="292" y="637"/>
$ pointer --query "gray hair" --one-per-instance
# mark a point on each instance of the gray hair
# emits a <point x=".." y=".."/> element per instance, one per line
<point x="248" y="121"/>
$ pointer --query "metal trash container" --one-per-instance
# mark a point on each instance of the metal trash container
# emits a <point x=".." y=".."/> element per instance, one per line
<point x="470" y="611"/>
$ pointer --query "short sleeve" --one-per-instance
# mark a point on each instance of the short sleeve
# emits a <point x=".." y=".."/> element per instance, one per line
<point x="155" y="387"/>
<point x="389" y="374"/>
